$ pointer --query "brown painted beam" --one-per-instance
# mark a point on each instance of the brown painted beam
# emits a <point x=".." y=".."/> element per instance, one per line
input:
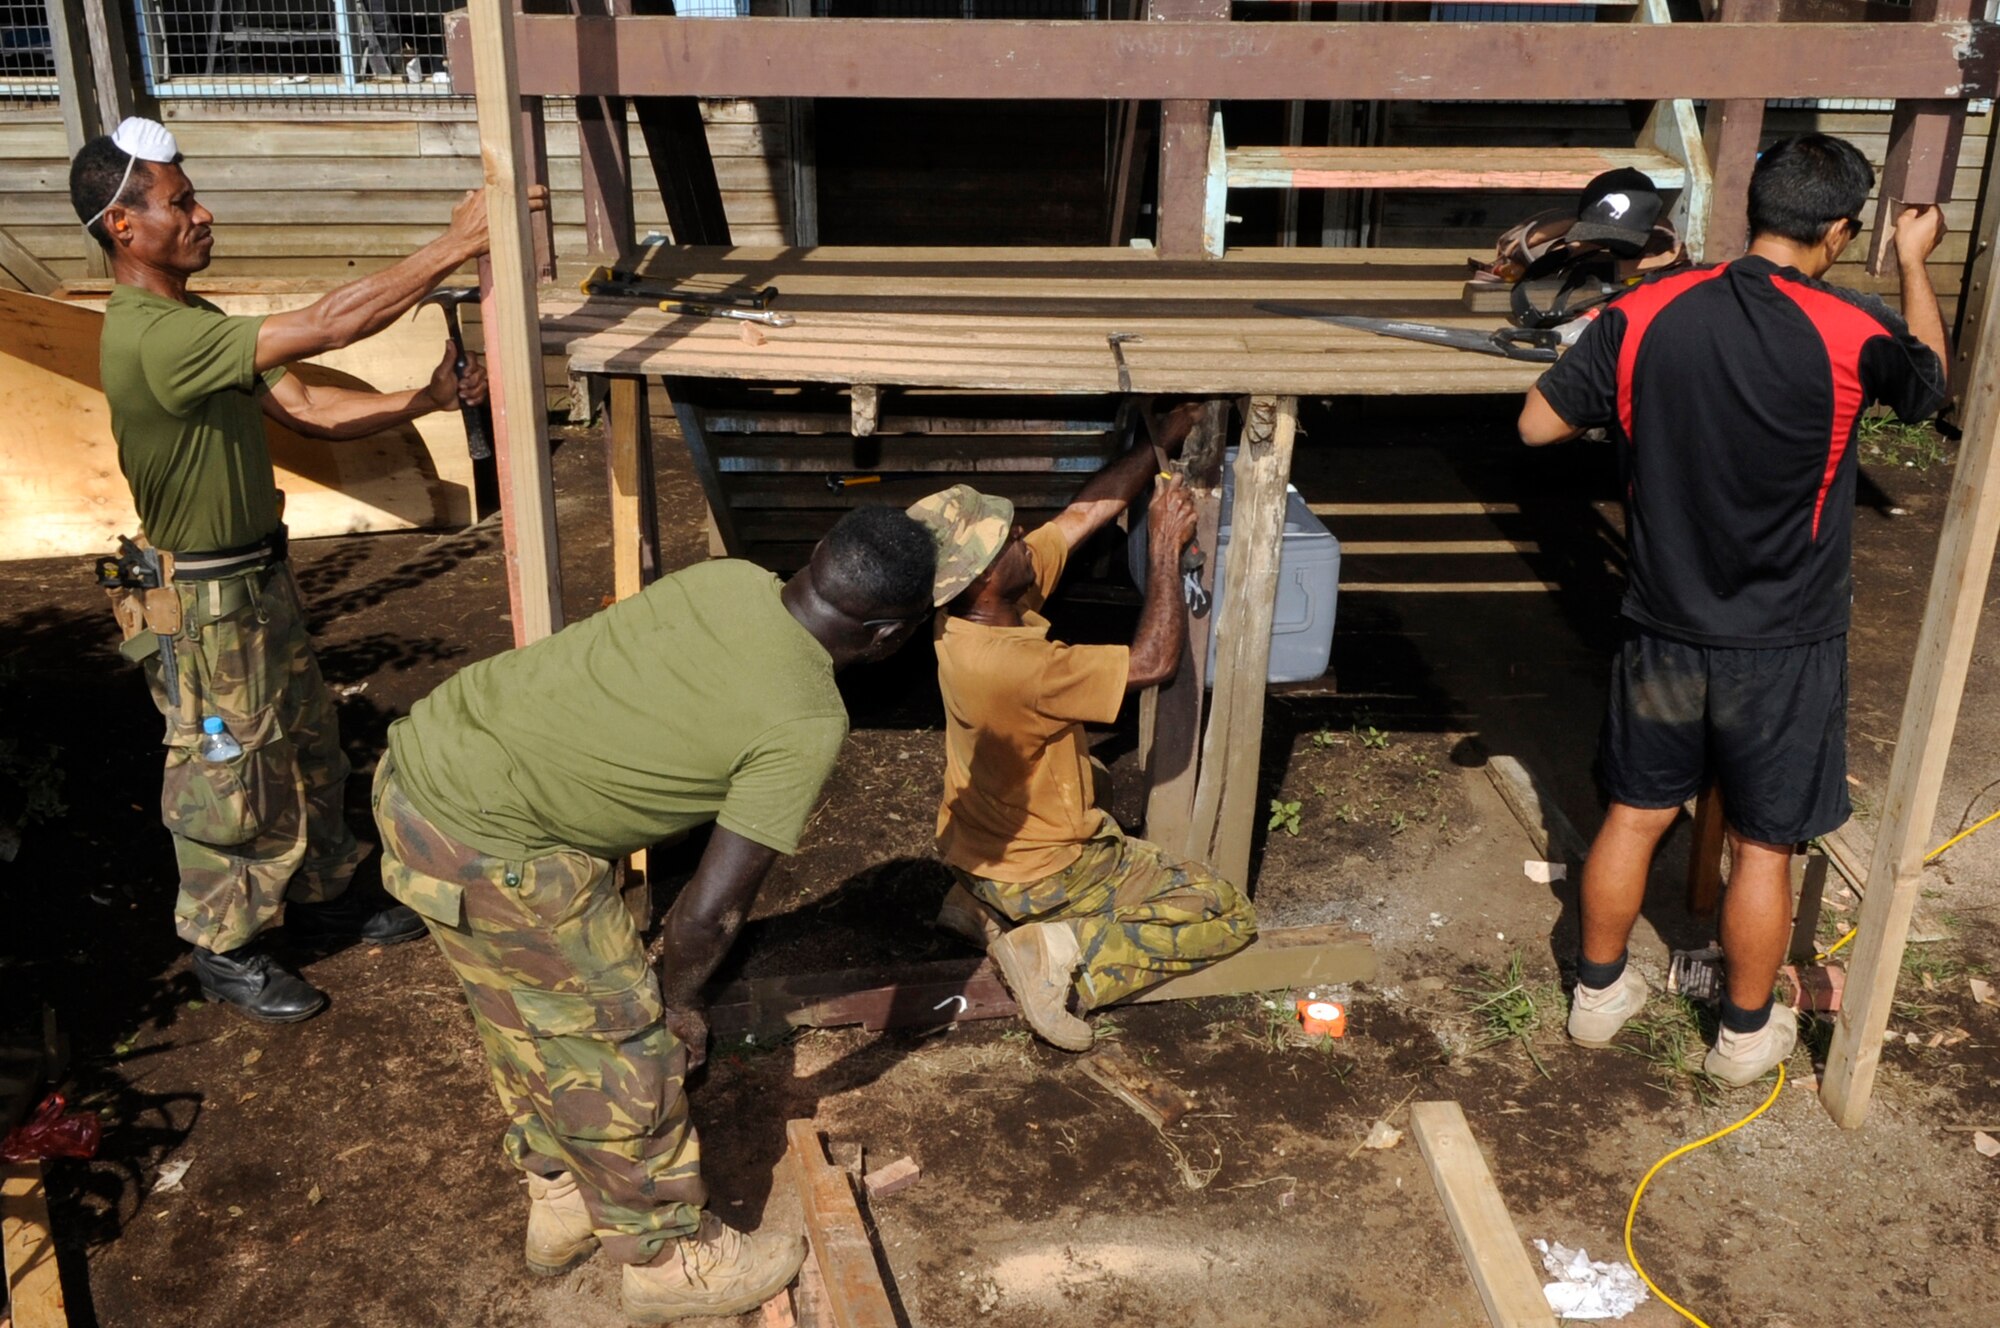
<point x="1732" y="136"/>
<point x="1045" y="60"/>
<point x="1184" y="135"/>
<point x="1924" y="137"/>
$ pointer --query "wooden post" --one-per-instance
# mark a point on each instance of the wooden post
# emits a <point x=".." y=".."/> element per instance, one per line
<point x="1184" y="131"/>
<point x="694" y="436"/>
<point x="677" y="143"/>
<point x="802" y="147"/>
<point x="1924" y="138"/>
<point x="1173" y="761"/>
<point x="1704" y="871"/>
<point x="628" y="449"/>
<point x="1970" y="330"/>
<point x="508" y="312"/>
<point x="534" y="168"/>
<point x="1735" y="128"/>
<point x="1225" y="800"/>
<point x="604" y="149"/>
<point x="1930" y="714"/>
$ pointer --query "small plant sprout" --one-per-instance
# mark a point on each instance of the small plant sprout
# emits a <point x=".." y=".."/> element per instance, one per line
<point x="1284" y="816"/>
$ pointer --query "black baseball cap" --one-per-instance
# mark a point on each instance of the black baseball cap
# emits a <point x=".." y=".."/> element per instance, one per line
<point x="1618" y="210"/>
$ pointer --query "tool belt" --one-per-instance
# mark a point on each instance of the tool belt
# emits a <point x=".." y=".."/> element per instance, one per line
<point x="139" y="581"/>
<point x="222" y="563"/>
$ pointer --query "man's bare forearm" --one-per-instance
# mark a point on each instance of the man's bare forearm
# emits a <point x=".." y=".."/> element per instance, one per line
<point x="360" y="308"/>
<point x="1920" y="307"/>
<point x="1156" y="647"/>
<point x="704" y="921"/>
<point x="343" y="413"/>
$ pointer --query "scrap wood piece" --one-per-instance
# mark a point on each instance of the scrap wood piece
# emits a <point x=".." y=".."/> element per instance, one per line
<point x="840" y="1244"/>
<point x="1147" y="1093"/>
<point x="1555" y="838"/>
<point x="1494" y="1253"/>
<point x="34" y="1283"/>
<point x="809" y="1301"/>
<point x="946" y="991"/>
<point x="898" y="1176"/>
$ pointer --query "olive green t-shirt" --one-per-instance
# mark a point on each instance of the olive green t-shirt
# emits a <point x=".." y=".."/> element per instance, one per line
<point x="183" y="385"/>
<point x="698" y="699"/>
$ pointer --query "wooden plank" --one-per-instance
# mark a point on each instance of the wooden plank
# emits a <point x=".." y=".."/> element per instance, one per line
<point x="1042" y="60"/>
<point x="1225" y="800"/>
<point x="694" y="436"/>
<point x="628" y="444"/>
<point x="34" y="1282"/>
<point x="1494" y="1252"/>
<point x="1152" y="1095"/>
<point x="1704" y="869"/>
<point x="1440" y="168"/>
<point x="1930" y="716"/>
<point x="677" y="145"/>
<point x="1279" y="957"/>
<point x="510" y="321"/>
<point x="33" y="275"/>
<point x="839" y="1240"/>
<point x="1549" y="829"/>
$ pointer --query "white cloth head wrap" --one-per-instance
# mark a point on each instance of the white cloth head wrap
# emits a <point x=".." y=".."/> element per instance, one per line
<point x="140" y="140"/>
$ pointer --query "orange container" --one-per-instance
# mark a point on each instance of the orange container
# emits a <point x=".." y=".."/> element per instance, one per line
<point x="1323" y="1018"/>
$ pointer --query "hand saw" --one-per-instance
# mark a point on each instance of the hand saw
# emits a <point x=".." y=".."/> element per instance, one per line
<point x="1536" y="345"/>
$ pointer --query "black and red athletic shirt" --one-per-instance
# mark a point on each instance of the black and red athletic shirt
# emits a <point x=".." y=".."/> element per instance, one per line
<point x="1737" y="391"/>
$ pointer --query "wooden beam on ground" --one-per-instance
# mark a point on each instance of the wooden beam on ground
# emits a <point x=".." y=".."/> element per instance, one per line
<point x="1225" y="800"/>
<point x="946" y="991"/>
<point x="1924" y="138"/>
<point x="34" y="1282"/>
<point x="1494" y="1252"/>
<point x="1068" y="61"/>
<point x="1704" y="870"/>
<point x="1923" y="744"/>
<point x="1152" y="1095"/>
<point x="1549" y="829"/>
<point x="839" y="1240"/>
<point x="512" y="330"/>
<point x="1734" y="132"/>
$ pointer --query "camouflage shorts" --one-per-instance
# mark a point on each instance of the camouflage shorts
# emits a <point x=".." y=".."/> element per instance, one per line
<point x="1140" y="914"/>
<point x="268" y="825"/>
<point x="568" y="1009"/>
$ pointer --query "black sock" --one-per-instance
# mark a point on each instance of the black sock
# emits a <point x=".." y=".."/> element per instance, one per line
<point x="1739" y="1020"/>
<point x="1599" y="976"/>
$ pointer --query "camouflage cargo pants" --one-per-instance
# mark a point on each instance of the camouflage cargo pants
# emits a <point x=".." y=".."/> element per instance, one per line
<point x="568" y="1009"/>
<point x="1140" y="914"/>
<point x="268" y="826"/>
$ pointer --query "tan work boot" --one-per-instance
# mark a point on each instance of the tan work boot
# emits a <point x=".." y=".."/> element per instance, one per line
<point x="1740" y="1059"/>
<point x="718" y="1270"/>
<point x="559" y="1229"/>
<point x="963" y="914"/>
<point x="1596" y="1014"/>
<point x="1037" y="962"/>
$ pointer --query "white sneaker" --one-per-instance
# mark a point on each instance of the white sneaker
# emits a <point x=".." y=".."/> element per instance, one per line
<point x="1596" y="1014"/>
<point x="1740" y="1059"/>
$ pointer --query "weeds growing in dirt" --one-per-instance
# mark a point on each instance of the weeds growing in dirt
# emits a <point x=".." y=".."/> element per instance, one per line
<point x="1374" y="737"/>
<point x="1671" y="1031"/>
<point x="1887" y="441"/>
<point x="1285" y="817"/>
<point x="1510" y="1008"/>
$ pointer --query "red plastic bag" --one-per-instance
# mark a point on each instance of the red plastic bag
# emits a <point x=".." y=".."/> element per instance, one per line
<point x="53" y="1131"/>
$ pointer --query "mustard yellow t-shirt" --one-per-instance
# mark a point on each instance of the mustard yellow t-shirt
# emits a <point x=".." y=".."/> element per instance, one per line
<point x="182" y="383"/>
<point x="1017" y="783"/>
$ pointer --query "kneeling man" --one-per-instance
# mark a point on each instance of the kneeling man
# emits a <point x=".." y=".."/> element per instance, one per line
<point x="1075" y="914"/>
<point x="503" y="799"/>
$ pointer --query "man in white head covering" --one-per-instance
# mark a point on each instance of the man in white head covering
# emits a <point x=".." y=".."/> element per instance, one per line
<point x="254" y="771"/>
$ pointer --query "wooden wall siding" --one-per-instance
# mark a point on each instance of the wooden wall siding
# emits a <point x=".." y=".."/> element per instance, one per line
<point x="1474" y="221"/>
<point x="378" y="185"/>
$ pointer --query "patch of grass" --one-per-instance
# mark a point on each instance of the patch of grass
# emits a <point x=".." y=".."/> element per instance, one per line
<point x="1509" y="1008"/>
<point x="1887" y="441"/>
<point x="1671" y="1031"/>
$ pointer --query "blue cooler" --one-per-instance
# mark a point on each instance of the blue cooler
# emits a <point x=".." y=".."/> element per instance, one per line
<point x="1308" y="584"/>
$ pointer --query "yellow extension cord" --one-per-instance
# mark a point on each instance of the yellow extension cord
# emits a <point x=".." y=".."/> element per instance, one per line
<point x="1632" y="1213"/>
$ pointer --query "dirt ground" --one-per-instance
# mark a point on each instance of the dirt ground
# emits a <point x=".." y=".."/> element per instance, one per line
<point x="346" y="1171"/>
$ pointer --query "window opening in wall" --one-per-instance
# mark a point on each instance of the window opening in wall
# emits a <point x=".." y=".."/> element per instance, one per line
<point x="27" y="52"/>
<point x="259" y="49"/>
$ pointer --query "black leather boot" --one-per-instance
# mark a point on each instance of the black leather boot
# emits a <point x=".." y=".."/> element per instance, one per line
<point x="360" y="913"/>
<point x="254" y="984"/>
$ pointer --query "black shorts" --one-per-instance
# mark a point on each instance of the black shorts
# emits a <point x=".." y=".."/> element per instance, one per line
<point x="1770" y="725"/>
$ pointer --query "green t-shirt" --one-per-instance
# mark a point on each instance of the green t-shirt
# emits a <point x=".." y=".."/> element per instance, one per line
<point x="698" y="699"/>
<point x="182" y="381"/>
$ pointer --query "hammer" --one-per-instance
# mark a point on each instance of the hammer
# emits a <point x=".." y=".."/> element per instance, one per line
<point x="478" y="419"/>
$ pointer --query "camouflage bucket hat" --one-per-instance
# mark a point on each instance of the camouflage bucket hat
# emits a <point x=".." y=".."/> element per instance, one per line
<point x="970" y="528"/>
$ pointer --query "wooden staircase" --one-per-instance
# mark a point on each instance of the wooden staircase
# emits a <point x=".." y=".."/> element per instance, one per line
<point x="1669" y="150"/>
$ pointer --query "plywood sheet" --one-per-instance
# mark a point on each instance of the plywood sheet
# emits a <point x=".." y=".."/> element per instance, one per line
<point x="61" y="491"/>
